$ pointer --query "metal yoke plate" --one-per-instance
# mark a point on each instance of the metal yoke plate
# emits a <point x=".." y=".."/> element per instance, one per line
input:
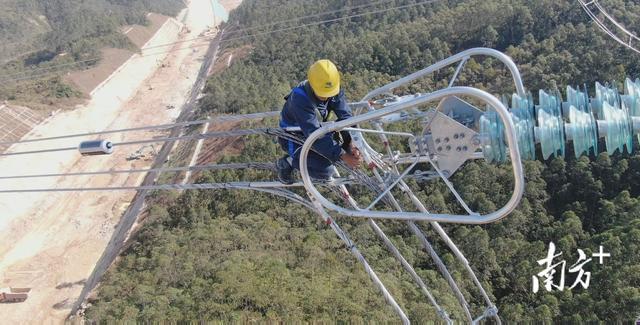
<point x="461" y="111"/>
<point x="448" y="140"/>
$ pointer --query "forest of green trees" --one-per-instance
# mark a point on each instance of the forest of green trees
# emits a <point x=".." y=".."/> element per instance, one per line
<point x="243" y="256"/>
<point x="44" y="28"/>
<point x="34" y="34"/>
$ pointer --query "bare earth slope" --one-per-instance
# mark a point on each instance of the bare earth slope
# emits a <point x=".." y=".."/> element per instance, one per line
<point x="51" y="241"/>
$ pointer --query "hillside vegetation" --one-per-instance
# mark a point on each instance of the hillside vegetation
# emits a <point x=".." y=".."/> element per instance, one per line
<point x="222" y="255"/>
<point x="42" y="39"/>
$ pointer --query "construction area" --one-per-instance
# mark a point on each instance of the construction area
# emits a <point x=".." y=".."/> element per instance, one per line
<point x="16" y="122"/>
<point x="53" y="241"/>
<point x="12" y="295"/>
<point x="161" y="30"/>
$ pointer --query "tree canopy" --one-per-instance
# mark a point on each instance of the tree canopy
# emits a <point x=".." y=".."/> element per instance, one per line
<point x="220" y="255"/>
<point x="40" y="40"/>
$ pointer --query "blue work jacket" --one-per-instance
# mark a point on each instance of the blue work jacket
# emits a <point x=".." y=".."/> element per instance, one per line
<point x="305" y="110"/>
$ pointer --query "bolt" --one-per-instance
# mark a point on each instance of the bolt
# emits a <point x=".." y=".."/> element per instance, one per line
<point x="437" y="140"/>
<point x="446" y="139"/>
<point x="439" y="148"/>
<point x="465" y="148"/>
<point x="448" y="148"/>
<point x="455" y="136"/>
<point x="476" y="141"/>
<point x="458" y="149"/>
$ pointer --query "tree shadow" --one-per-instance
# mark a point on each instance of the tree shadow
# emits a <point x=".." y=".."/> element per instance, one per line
<point x="65" y="285"/>
<point x="65" y="304"/>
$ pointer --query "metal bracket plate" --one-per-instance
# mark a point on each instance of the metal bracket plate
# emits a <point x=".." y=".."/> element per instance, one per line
<point x="461" y="111"/>
<point x="450" y="142"/>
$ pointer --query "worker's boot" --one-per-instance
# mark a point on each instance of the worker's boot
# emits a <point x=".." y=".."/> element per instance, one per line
<point x="285" y="171"/>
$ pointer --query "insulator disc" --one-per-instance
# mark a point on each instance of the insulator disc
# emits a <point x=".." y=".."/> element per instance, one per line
<point x="618" y="134"/>
<point x="631" y="97"/>
<point x="550" y="125"/>
<point x="492" y="135"/>
<point x="578" y="99"/>
<point x="631" y="88"/>
<point x="631" y="102"/>
<point x="505" y="101"/>
<point x="525" y="103"/>
<point x="524" y="124"/>
<point x="524" y="121"/>
<point x="532" y="106"/>
<point x="605" y="94"/>
<point x="583" y="130"/>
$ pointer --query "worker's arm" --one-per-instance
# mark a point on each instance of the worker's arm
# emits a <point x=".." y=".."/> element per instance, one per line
<point x="339" y="106"/>
<point x="305" y="116"/>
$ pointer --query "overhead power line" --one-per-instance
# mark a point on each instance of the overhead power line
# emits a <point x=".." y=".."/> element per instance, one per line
<point x="254" y="185"/>
<point x="218" y="119"/>
<point x="226" y="40"/>
<point x="205" y="186"/>
<point x="242" y="30"/>
<point x="47" y="68"/>
<point x="372" y="12"/>
<point x="406" y="6"/>
<point x="369" y="4"/>
<point x="221" y="134"/>
<point x="3" y="77"/>
<point x="218" y="134"/>
<point x="254" y="165"/>
<point x="630" y="39"/>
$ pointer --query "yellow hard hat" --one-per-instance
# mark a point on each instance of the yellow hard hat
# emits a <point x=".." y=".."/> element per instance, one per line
<point x="324" y="78"/>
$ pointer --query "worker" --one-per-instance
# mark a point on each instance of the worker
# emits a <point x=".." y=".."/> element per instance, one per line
<point x="307" y="103"/>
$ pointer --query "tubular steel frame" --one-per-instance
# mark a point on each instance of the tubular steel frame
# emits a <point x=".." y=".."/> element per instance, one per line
<point x="461" y="59"/>
<point x="410" y="217"/>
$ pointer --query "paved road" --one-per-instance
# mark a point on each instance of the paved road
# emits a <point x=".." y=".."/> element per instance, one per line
<point x="131" y="215"/>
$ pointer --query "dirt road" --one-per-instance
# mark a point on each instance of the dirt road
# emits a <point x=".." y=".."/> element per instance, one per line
<point x="51" y="242"/>
<point x="130" y="216"/>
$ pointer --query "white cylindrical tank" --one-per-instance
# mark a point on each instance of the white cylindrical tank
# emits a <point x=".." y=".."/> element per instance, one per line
<point x="95" y="147"/>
